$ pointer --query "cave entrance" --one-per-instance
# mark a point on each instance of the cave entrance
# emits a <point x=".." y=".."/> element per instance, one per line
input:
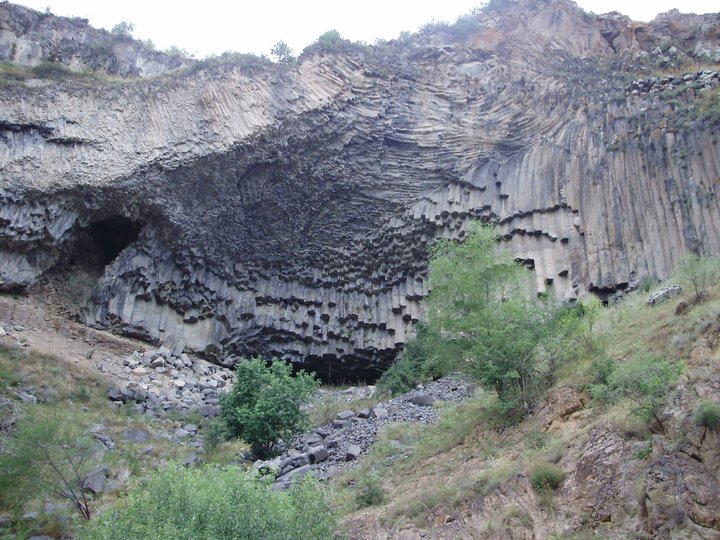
<point x="107" y="238"/>
<point x="68" y="286"/>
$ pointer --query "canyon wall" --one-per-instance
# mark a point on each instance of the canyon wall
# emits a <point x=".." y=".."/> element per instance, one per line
<point x="288" y="211"/>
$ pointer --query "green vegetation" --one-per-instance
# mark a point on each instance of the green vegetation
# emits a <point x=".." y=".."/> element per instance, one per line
<point x="123" y="29"/>
<point x="700" y="273"/>
<point x="209" y="502"/>
<point x="369" y="491"/>
<point x="264" y="404"/>
<point x="47" y="454"/>
<point x="546" y="477"/>
<point x="483" y="319"/>
<point x="707" y="414"/>
<point x="282" y="52"/>
<point x="418" y="362"/>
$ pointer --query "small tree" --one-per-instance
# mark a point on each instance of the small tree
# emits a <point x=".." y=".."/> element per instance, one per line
<point x="701" y="273"/>
<point x="645" y="380"/>
<point x="46" y="454"/>
<point x="123" y="29"/>
<point x="283" y="53"/>
<point x="264" y="404"/>
<point x="483" y="305"/>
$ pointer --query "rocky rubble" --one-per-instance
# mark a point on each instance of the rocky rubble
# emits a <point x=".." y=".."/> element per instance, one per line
<point x="327" y="449"/>
<point x="168" y="379"/>
<point x="700" y="80"/>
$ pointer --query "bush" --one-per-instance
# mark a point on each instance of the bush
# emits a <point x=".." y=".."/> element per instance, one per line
<point x="208" y="502"/>
<point x="47" y="454"/>
<point x="645" y="380"/>
<point x="546" y="477"/>
<point x="707" y="414"/>
<point x="414" y="364"/>
<point x="264" y="404"/>
<point x="370" y="491"/>
<point x="700" y="273"/>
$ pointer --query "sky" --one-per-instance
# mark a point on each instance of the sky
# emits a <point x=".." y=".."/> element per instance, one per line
<point x="211" y="27"/>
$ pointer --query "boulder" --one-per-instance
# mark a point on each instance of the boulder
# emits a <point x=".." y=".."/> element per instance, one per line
<point x="353" y="452"/>
<point x="95" y="481"/>
<point x="318" y="454"/>
<point x="563" y="401"/>
<point x="345" y="415"/>
<point x="423" y="400"/>
<point x="135" y="435"/>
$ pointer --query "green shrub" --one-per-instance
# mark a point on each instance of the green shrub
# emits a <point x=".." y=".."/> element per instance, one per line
<point x="330" y="40"/>
<point x="414" y="365"/>
<point x="645" y="380"/>
<point x="47" y="454"/>
<point x="546" y="477"/>
<point x="700" y="273"/>
<point x="264" y="404"/>
<point x="370" y="491"/>
<point x="208" y="502"/>
<point x="601" y="368"/>
<point x="707" y="414"/>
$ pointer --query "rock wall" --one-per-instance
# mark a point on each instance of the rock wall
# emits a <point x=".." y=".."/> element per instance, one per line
<point x="288" y="211"/>
<point x="30" y="38"/>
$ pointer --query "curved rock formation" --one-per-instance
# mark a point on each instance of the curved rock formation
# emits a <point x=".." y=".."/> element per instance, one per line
<point x="288" y="211"/>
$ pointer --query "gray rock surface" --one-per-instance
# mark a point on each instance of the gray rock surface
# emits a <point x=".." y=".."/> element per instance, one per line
<point x="328" y="449"/>
<point x="288" y="212"/>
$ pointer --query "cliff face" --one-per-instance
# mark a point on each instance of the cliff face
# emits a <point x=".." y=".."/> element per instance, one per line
<point x="288" y="211"/>
<point x="30" y="38"/>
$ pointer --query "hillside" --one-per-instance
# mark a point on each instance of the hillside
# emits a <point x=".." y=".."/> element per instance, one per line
<point x="474" y="217"/>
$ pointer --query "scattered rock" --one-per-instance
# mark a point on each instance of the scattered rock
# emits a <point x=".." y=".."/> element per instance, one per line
<point x="423" y="400"/>
<point x="27" y="398"/>
<point x="135" y="435"/>
<point x="353" y="452"/>
<point x="345" y="415"/>
<point x="95" y="481"/>
<point x="664" y="294"/>
<point x="318" y="454"/>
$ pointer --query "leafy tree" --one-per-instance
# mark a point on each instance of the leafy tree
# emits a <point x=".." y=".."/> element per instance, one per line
<point x="264" y="404"/>
<point x="283" y="53"/>
<point x="645" y="380"/>
<point x="209" y="502"/>
<point x="123" y="29"/>
<point x="701" y="273"/>
<point x="330" y="40"/>
<point x="46" y="454"/>
<point x="483" y="306"/>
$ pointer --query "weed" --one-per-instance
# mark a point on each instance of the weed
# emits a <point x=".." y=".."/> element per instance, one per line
<point x="707" y="414"/>
<point x="546" y="477"/>
<point x="369" y="491"/>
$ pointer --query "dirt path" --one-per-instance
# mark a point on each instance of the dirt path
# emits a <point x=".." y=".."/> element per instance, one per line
<point x="27" y="322"/>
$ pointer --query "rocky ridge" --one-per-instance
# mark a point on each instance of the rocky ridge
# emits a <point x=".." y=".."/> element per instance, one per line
<point x="31" y="38"/>
<point x="288" y="212"/>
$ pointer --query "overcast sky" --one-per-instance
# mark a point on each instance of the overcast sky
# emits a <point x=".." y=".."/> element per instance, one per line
<point x="215" y="26"/>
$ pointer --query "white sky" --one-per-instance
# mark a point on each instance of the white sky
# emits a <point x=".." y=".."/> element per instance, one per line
<point x="215" y="26"/>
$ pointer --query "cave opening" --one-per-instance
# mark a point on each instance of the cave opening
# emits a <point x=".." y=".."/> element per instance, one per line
<point x="109" y="237"/>
<point x="69" y="284"/>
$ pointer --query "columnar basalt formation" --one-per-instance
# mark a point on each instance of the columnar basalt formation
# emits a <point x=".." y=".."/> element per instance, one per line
<point x="289" y="212"/>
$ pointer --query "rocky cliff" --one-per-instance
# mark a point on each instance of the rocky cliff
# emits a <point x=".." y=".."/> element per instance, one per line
<point x="254" y="209"/>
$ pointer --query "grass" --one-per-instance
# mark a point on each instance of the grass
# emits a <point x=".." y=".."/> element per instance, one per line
<point x="324" y="409"/>
<point x="80" y="399"/>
